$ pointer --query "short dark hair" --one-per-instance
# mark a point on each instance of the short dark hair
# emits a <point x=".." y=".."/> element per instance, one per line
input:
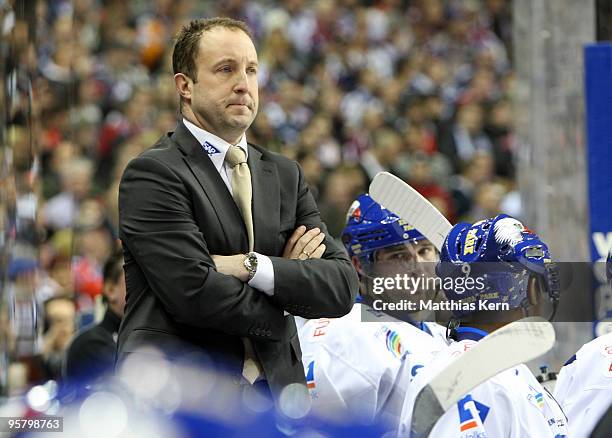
<point x="188" y="38"/>
<point x="113" y="268"/>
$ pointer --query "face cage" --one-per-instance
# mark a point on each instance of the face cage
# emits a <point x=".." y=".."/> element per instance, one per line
<point x="548" y="284"/>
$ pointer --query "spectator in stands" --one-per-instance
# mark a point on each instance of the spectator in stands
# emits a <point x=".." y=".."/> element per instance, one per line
<point x="60" y="317"/>
<point x="61" y="210"/>
<point x="92" y="352"/>
<point x="466" y="136"/>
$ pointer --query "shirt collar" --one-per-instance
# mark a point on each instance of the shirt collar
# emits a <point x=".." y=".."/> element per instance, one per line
<point x="470" y="333"/>
<point x="215" y="147"/>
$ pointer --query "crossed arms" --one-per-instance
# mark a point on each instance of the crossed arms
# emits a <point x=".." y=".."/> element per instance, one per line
<point x="159" y="230"/>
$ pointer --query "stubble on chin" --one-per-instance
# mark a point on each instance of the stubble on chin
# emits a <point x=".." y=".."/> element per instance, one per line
<point x="241" y="120"/>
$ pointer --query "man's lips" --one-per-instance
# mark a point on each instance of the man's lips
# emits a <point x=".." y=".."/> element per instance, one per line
<point x="239" y="104"/>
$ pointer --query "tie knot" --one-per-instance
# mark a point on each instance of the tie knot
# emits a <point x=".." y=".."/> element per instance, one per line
<point x="235" y="155"/>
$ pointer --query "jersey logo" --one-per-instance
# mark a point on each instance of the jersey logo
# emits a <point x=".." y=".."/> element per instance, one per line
<point x="393" y="343"/>
<point x="320" y="327"/>
<point x="210" y="149"/>
<point x="536" y="398"/>
<point x="467" y="421"/>
<point x="470" y="242"/>
<point x="540" y="400"/>
<point x="607" y="354"/>
<point x="354" y="211"/>
<point x="509" y="230"/>
<point x="310" y="381"/>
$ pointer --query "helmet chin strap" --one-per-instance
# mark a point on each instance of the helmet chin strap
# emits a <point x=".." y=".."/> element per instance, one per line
<point x="553" y="286"/>
<point x="451" y="328"/>
<point x="549" y="283"/>
<point x="555" y="304"/>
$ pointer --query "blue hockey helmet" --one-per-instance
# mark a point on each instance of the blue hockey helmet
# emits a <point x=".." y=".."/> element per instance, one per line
<point x="370" y="227"/>
<point x="501" y="255"/>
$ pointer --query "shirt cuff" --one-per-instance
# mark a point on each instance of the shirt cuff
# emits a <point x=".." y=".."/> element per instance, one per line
<point x="263" y="279"/>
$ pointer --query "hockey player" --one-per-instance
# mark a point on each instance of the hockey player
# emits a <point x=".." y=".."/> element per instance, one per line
<point x="351" y="362"/>
<point x="584" y="384"/>
<point x="492" y="264"/>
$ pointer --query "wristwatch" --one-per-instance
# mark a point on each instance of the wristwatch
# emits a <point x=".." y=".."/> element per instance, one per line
<point x="250" y="263"/>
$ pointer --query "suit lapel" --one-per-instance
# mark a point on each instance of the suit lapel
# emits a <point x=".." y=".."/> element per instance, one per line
<point x="214" y="188"/>
<point x="266" y="202"/>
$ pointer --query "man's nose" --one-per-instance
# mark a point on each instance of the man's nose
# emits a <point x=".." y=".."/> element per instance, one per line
<point x="242" y="84"/>
<point x="414" y="263"/>
<point x="416" y="259"/>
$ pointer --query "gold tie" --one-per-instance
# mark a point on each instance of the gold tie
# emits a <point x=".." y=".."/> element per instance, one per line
<point x="241" y="187"/>
<point x="243" y="194"/>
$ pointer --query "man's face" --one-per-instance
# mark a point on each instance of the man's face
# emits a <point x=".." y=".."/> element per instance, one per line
<point x="224" y="98"/>
<point x="412" y="258"/>
<point x="61" y="317"/>
<point x="61" y="312"/>
<point x="408" y="260"/>
<point x="115" y="293"/>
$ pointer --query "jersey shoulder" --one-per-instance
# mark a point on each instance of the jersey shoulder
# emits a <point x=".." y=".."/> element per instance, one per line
<point x="593" y="363"/>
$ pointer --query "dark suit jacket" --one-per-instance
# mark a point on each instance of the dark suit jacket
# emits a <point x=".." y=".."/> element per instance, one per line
<point x="175" y="211"/>
<point x="92" y="352"/>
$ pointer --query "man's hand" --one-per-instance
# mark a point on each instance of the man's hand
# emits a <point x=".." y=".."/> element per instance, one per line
<point x="232" y="265"/>
<point x="303" y="245"/>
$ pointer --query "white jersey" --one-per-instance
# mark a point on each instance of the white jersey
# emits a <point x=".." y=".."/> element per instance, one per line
<point x="584" y="386"/>
<point x="351" y="366"/>
<point x="511" y="404"/>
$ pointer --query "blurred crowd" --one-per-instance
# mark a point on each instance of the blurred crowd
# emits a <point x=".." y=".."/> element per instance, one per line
<point x="348" y="88"/>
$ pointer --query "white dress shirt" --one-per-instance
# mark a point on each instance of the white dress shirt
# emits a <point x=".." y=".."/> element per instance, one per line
<point x="216" y="148"/>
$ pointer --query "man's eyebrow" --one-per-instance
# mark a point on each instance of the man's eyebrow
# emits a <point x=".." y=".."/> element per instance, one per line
<point x="426" y="247"/>
<point x="395" y="251"/>
<point x="224" y="60"/>
<point x="233" y="61"/>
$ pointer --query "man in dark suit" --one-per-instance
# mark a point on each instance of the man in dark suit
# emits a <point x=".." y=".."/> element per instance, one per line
<point x="92" y="352"/>
<point x="205" y="219"/>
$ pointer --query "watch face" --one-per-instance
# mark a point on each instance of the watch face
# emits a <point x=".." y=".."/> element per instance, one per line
<point x="251" y="262"/>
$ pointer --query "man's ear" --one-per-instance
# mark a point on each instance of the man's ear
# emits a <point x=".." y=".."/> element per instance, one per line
<point x="363" y="278"/>
<point x="357" y="265"/>
<point x="109" y="292"/>
<point x="184" y="85"/>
